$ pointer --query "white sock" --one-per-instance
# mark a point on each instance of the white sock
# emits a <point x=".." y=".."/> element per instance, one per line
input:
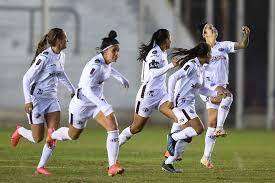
<point x="27" y="134"/>
<point x="46" y="154"/>
<point x="124" y="136"/>
<point x="175" y="127"/>
<point x="179" y="148"/>
<point x="210" y="140"/>
<point x="112" y="146"/>
<point x="223" y="111"/>
<point x="185" y="133"/>
<point x="61" y="134"/>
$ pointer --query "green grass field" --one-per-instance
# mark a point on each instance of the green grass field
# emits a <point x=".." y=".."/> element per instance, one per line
<point x="243" y="156"/>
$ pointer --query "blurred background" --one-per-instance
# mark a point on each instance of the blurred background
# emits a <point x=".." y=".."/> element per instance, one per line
<point x="22" y="24"/>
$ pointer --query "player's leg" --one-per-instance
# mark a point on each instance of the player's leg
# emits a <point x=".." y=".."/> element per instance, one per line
<point x="108" y="121"/>
<point x="223" y="111"/>
<point x="52" y="121"/>
<point x="210" y="138"/>
<point x="35" y="135"/>
<point x="191" y="128"/>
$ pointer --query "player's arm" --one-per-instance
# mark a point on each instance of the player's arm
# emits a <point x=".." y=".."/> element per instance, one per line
<point x="243" y="43"/>
<point x="183" y="72"/>
<point x="155" y="71"/>
<point x="89" y="82"/>
<point x="119" y="77"/>
<point x="66" y="82"/>
<point x="31" y="75"/>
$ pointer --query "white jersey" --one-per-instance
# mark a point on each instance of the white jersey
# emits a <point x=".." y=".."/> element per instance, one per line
<point x="154" y="70"/>
<point x="41" y="80"/>
<point x="186" y="82"/>
<point x="216" y="72"/>
<point x="92" y="79"/>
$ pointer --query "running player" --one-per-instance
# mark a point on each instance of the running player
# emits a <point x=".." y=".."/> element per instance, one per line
<point x="89" y="101"/>
<point x="216" y="78"/>
<point x="152" y="93"/>
<point x="182" y="87"/>
<point x="40" y="91"/>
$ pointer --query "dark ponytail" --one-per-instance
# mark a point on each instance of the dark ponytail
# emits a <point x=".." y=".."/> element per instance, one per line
<point x="48" y="39"/>
<point x="201" y="50"/>
<point x="157" y="39"/>
<point x="107" y="41"/>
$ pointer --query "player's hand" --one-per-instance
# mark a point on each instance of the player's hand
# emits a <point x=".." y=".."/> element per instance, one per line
<point x="170" y="105"/>
<point x="175" y="61"/>
<point x="125" y="83"/>
<point x="28" y="107"/>
<point x="221" y="94"/>
<point x="245" y="30"/>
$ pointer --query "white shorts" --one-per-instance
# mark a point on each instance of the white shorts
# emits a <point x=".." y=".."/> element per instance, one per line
<point x="185" y="113"/>
<point x="42" y="106"/>
<point x="80" y="112"/>
<point x="147" y="102"/>
<point x="209" y="104"/>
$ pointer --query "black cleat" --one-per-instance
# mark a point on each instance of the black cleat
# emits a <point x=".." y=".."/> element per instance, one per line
<point x="169" y="168"/>
<point x="171" y="143"/>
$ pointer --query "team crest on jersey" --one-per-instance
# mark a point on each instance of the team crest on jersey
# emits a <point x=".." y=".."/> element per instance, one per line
<point x="221" y="49"/>
<point x="92" y="71"/>
<point x="154" y="52"/>
<point x="186" y="67"/>
<point x="97" y="61"/>
<point x="38" y="62"/>
<point x="145" y="109"/>
<point x="153" y="65"/>
<point x="46" y="53"/>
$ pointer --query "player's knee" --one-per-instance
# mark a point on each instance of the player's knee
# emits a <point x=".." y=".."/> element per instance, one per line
<point x="135" y="129"/>
<point x="200" y="130"/>
<point x="188" y="140"/>
<point x="75" y="137"/>
<point x="37" y="139"/>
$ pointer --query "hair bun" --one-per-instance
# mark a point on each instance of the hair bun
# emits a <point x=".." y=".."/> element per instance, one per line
<point x="112" y="34"/>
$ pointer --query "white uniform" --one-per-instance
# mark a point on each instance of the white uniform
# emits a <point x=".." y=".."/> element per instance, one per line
<point x="182" y="87"/>
<point x="216" y="72"/>
<point x="153" y="91"/>
<point x="89" y="99"/>
<point x="40" y="84"/>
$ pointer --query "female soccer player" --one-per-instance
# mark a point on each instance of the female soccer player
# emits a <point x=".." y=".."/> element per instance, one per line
<point x="89" y="101"/>
<point x="216" y="78"/>
<point x="182" y="87"/>
<point x="40" y="91"/>
<point x="152" y="93"/>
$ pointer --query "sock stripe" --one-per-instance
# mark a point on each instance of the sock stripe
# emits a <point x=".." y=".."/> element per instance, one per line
<point x="30" y="114"/>
<point x="137" y="108"/>
<point x="71" y="119"/>
<point x="186" y="115"/>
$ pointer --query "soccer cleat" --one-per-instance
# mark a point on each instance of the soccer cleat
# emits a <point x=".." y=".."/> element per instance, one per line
<point x="15" y="137"/>
<point x="115" y="169"/>
<point x="169" y="168"/>
<point x="167" y="154"/>
<point x="220" y="133"/>
<point x="42" y="170"/>
<point x="171" y="143"/>
<point x="207" y="163"/>
<point x="51" y="142"/>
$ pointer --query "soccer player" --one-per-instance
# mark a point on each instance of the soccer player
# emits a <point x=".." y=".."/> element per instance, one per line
<point x="152" y="94"/>
<point x="182" y="87"/>
<point x="216" y="78"/>
<point x="89" y="101"/>
<point x="40" y="91"/>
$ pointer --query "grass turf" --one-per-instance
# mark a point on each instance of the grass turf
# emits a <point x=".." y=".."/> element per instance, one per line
<point x="243" y="156"/>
